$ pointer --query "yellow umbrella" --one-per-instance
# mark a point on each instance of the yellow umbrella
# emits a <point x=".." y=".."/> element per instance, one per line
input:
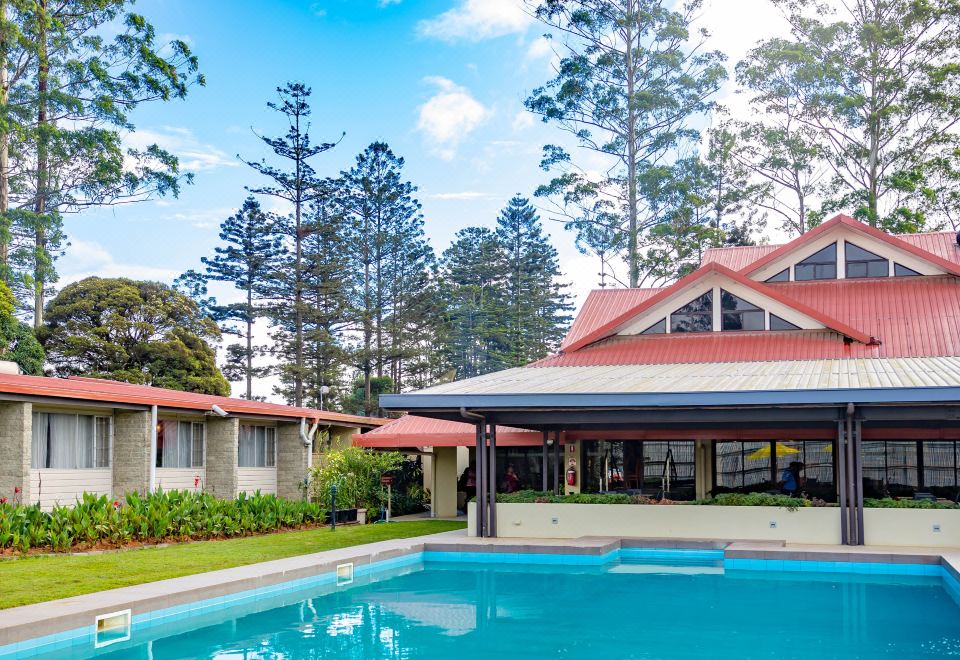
<point x="764" y="451"/>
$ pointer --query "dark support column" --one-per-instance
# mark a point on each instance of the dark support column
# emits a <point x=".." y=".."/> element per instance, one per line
<point x="851" y="484"/>
<point x="546" y="467"/>
<point x="492" y="520"/>
<point x="858" y="477"/>
<point x="842" y="482"/>
<point x="556" y="463"/>
<point x="481" y="482"/>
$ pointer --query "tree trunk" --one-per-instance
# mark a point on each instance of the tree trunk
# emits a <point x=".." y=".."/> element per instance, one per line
<point x="40" y="207"/>
<point x="5" y="224"/>
<point x="298" y="284"/>
<point x="632" y="221"/>
<point x="249" y="373"/>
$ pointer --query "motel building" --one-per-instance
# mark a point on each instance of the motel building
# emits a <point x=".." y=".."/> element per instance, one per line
<point x="61" y="437"/>
<point x="839" y="350"/>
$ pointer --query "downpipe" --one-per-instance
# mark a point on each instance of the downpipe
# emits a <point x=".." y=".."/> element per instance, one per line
<point x="480" y="470"/>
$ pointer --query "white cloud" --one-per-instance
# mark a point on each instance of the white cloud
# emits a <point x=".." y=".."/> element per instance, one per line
<point x="89" y="258"/>
<point x="449" y="116"/>
<point x="194" y="155"/>
<point x="461" y="196"/>
<point x="475" y="20"/>
<point x="539" y="48"/>
<point x="522" y="120"/>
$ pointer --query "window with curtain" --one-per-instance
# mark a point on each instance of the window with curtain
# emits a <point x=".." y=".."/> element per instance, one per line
<point x="258" y="446"/>
<point x="179" y="444"/>
<point x="63" y="441"/>
<point x="742" y="466"/>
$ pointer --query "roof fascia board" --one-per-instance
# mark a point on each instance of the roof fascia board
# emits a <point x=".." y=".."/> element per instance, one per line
<point x="570" y="400"/>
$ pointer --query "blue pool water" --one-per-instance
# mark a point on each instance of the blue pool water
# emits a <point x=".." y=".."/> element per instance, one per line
<point x="646" y="607"/>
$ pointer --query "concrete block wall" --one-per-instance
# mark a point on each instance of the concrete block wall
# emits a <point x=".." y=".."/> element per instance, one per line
<point x="291" y="461"/>
<point x="223" y="437"/>
<point x="131" y="452"/>
<point x="16" y="431"/>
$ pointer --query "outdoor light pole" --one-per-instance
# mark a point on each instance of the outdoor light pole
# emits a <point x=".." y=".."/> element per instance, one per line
<point x="324" y="389"/>
<point x="333" y="507"/>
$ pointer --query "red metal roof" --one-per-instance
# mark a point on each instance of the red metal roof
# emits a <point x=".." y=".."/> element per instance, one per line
<point x="610" y="327"/>
<point x="911" y="316"/>
<point x="737" y="258"/>
<point x="413" y="431"/>
<point x="111" y="391"/>
<point x="602" y="306"/>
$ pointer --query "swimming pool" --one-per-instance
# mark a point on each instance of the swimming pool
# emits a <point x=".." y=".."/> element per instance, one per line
<point x="634" y="604"/>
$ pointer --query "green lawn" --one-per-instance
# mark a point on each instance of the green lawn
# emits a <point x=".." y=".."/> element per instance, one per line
<point x="36" y="579"/>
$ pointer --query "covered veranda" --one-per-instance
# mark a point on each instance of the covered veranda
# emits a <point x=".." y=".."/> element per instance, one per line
<point x="855" y="442"/>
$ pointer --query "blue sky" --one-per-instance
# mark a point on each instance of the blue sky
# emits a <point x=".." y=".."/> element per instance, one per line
<point x="442" y="81"/>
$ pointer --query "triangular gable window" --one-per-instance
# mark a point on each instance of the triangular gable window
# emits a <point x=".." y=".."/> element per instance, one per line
<point x="821" y="265"/>
<point x="777" y="323"/>
<point x="903" y="271"/>
<point x="738" y="314"/>
<point x="782" y="276"/>
<point x="863" y="263"/>
<point x="658" y="328"/>
<point x="696" y="316"/>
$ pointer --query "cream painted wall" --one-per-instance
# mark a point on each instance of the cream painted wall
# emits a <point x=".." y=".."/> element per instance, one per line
<point x="809" y="525"/>
<point x="250" y="480"/>
<point x="181" y="478"/>
<point x="912" y="527"/>
<point x="50" y="487"/>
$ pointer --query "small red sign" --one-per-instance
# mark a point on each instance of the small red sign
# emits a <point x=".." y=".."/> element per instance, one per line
<point x="386" y="480"/>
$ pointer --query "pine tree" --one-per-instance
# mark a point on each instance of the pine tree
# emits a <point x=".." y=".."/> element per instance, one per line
<point x="391" y="265"/>
<point x="299" y="186"/>
<point x="472" y="284"/>
<point x="248" y="254"/>
<point x="537" y="306"/>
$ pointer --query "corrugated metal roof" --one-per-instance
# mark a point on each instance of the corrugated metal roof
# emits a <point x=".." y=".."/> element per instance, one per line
<point x="942" y="243"/>
<point x="415" y="431"/>
<point x="602" y="306"/>
<point x="713" y="377"/>
<point x="738" y="258"/>
<point x="110" y="391"/>
<point x="912" y="317"/>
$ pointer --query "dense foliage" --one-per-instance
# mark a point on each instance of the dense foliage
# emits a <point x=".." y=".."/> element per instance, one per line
<point x="726" y="499"/>
<point x="17" y="340"/>
<point x="356" y="473"/>
<point x="137" y="332"/>
<point x="890" y="503"/>
<point x="97" y="521"/>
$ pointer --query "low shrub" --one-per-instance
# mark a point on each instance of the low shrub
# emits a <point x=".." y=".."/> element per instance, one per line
<point x="356" y="473"/>
<point x="755" y="499"/>
<point x="890" y="503"/>
<point x="96" y="521"/>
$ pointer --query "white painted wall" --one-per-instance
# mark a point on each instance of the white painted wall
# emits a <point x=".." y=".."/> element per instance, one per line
<point x="808" y="525"/>
<point x="180" y="478"/>
<point x="51" y="487"/>
<point x="250" y="480"/>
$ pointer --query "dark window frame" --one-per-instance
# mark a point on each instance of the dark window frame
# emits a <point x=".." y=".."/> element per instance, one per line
<point x="867" y="260"/>
<point x="732" y="314"/>
<point x="705" y="313"/>
<point x="820" y="266"/>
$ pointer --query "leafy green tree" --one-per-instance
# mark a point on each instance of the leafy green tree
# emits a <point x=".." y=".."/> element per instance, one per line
<point x="138" y="332"/>
<point x="365" y="395"/>
<point x="536" y="303"/>
<point x="877" y="82"/>
<point x="17" y="340"/>
<point x="472" y="277"/>
<point x="67" y="89"/>
<point x="246" y="258"/>
<point x="296" y="183"/>
<point x="630" y="83"/>
<point x="392" y="262"/>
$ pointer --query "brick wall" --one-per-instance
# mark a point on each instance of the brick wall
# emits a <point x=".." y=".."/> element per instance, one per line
<point x="223" y="435"/>
<point x="131" y="452"/>
<point x="16" y="428"/>
<point x="291" y="461"/>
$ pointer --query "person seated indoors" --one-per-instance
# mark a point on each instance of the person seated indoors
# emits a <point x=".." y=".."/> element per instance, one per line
<point x="790" y="480"/>
<point x="467" y="483"/>
<point x="511" y="482"/>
